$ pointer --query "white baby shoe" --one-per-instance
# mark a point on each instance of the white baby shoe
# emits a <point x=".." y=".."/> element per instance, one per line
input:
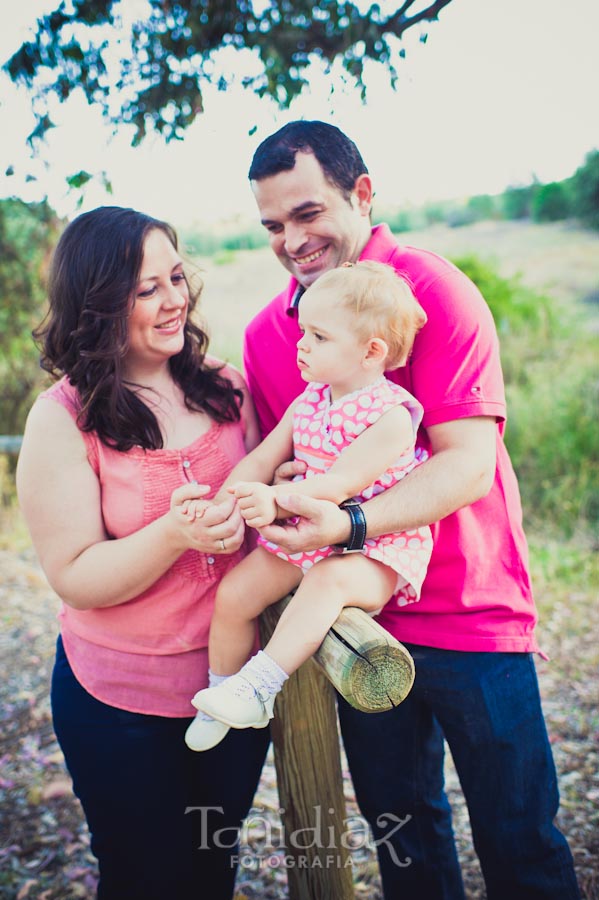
<point x="204" y="733"/>
<point x="237" y="702"/>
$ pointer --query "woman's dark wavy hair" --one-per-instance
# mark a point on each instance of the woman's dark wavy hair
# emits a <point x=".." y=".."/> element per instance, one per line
<point x="85" y="334"/>
<point x="339" y="158"/>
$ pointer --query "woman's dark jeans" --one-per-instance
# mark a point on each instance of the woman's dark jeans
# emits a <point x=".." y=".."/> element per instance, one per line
<point x="488" y="708"/>
<point x="154" y="807"/>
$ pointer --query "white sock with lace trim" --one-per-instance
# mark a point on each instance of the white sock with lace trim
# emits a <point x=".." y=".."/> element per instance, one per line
<point x="263" y="674"/>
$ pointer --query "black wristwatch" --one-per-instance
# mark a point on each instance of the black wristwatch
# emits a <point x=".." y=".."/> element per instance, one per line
<point x="357" y="535"/>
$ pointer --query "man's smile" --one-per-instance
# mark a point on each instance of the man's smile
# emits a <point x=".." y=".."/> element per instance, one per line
<point x="311" y="257"/>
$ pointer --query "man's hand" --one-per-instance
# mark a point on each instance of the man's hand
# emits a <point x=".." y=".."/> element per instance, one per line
<point x="288" y="470"/>
<point x="316" y="523"/>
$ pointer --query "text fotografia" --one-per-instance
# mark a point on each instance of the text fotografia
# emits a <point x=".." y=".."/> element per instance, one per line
<point x="256" y="863"/>
<point x="264" y="843"/>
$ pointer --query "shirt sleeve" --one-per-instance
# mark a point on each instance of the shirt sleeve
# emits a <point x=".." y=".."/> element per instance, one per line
<point x="455" y="366"/>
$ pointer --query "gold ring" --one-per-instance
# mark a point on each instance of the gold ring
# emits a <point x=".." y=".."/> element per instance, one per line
<point x="222" y="543"/>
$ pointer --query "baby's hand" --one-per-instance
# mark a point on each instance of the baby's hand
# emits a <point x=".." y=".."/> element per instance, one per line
<point x="189" y="508"/>
<point x="196" y="509"/>
<point x="256" y="502"/>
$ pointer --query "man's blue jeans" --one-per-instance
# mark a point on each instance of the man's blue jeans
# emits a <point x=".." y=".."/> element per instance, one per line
<point x="487" y="706"/>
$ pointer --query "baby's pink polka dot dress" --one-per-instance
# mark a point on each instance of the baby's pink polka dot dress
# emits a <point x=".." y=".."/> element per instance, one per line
<point x="321" y="430"/>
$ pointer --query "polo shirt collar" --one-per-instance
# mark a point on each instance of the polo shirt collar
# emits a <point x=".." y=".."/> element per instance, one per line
<point x="295" y="299"/>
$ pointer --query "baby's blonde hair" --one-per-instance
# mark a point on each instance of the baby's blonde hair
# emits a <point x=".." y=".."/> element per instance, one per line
<point x="382" y="303"/>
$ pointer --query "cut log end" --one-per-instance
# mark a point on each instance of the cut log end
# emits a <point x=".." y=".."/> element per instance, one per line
<point x="380" y="680"/>
<point x="367" y="665"/>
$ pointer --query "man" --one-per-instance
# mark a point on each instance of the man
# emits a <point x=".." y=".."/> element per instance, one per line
<point x="472" y="633"/>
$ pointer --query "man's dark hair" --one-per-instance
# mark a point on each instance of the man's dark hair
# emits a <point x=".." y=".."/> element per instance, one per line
<point x="338" y="156"/>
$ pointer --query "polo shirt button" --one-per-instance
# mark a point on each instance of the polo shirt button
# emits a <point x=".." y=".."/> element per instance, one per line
<point x="186" y="464"/>
<point x="210" y="560"/>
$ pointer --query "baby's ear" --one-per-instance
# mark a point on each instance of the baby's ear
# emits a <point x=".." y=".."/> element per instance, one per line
<point x="377" y="350"/>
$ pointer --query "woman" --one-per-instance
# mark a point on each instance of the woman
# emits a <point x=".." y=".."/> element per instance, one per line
<point x="138" y="421"/>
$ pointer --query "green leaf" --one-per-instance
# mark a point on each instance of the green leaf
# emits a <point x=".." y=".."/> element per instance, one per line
<point x="79" y="179"/>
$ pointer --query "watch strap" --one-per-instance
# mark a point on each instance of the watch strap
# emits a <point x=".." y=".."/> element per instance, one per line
<point x="357" y="534"/>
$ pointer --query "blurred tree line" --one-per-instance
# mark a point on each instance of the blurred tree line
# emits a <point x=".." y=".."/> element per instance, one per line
<point x="28" y="233"/>
<point x="576" y="197"/>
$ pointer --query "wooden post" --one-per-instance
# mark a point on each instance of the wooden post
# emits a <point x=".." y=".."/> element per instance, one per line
<point x="373" y="672"/>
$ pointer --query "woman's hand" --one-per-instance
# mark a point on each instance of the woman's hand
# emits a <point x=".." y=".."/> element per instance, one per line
<point x="214" y="527"/>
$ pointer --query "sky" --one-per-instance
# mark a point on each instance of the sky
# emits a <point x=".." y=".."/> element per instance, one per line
<point x="501" y="92"/>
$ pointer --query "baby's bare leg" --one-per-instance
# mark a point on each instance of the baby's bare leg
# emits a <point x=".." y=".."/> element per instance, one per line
<point x="260" y="580"/>
<point x="327" y="588"/>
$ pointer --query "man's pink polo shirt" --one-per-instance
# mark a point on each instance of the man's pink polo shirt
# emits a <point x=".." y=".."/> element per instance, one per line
<point x="477" y="593"/>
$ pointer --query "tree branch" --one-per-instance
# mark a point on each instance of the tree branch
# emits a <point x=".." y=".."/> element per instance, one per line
<point x="170" y="56"/>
